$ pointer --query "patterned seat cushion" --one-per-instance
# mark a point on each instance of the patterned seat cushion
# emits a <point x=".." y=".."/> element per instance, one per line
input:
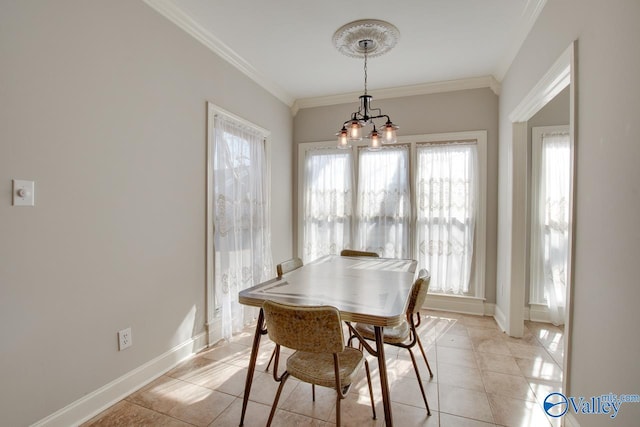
<point x="317" y="368"/>
<point x="395" y="335"/>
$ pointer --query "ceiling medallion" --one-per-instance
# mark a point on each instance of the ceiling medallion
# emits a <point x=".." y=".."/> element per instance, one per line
<point x="381" y="36"/>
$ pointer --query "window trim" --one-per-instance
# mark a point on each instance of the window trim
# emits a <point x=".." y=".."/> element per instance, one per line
<point x="480" y="244"/>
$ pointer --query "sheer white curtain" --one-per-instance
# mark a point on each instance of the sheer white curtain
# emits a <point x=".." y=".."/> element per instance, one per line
<point x="553" y="222"/>
<point x="447" y="186"/>
<point x="383" y="209"/>
<point x="328" y="201"/>
<point x="242" y="237"/>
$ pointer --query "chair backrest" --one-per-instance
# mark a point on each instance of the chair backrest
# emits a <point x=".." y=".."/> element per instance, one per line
<point x="351" y="252"/>
<point x="288" y="265"/>
<point x="419" y="291"/>
<point x="314" y="329"/>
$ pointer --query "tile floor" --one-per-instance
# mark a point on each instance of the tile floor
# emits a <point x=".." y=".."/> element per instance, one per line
<point x="482" y="377"/>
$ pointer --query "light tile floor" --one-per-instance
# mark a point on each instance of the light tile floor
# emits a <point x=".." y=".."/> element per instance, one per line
<point x="482" y="377"/>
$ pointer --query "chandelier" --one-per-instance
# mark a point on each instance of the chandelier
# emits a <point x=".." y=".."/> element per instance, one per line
<point x="363" y="39"/>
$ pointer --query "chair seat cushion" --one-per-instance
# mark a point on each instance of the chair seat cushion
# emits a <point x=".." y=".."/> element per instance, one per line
<point x="394" y="335"/>
<point x="317" y="368"/>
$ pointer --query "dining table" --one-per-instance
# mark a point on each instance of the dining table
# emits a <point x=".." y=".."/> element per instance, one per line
<point x="368" y="290"/>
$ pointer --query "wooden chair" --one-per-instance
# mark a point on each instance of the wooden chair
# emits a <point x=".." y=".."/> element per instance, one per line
<point x="405" y="335"/>
<point x="321" y="358"/>
<point x="351" y="252"/>
<point x="287" y="266"/>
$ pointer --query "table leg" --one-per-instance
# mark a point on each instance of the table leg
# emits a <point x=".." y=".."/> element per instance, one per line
<point x="252" y="363"/>
<point x="384" y="381"/>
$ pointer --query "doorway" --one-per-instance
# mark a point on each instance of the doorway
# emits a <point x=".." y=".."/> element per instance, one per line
<point x="560" y="76"/>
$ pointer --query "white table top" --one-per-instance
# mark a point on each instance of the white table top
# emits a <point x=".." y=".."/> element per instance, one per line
<point x="368" y="290"/>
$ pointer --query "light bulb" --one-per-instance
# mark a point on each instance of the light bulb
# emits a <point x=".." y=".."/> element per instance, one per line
<point x="355" y="130"/>
<point x="389" y="133"/>
<point x="343" y="140"/>
<point x="374" y="140"/>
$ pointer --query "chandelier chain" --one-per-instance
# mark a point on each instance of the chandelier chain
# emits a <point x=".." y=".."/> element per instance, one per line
<point x="365" y="67"/>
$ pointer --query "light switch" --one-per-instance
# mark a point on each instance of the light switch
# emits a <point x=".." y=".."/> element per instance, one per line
<point x="23" y="193"/>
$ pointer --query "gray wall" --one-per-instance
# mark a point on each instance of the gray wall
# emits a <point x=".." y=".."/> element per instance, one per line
<point x="604" y="347"/>
<point x="104" y="106"/>
<point x="555" y="113"/>
<point x="465" y="110"/>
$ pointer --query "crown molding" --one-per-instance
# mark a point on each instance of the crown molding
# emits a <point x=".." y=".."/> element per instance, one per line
<point x="527" y="20"/>
<point x="174" y="14"/>
<point x="401" y="91"/>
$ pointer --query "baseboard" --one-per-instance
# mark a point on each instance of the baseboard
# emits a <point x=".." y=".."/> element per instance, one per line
<point x="97" y="401"/>
<point x="501" y="319"/>
<point x="569" y="420"/>
<point x="539" y="313"/>
<point x="214" y="330"/>
<point x="489" y="309"/>
<point x="458" y="304"/>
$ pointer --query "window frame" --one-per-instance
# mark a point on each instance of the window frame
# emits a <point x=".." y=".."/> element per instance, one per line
<point x="477" y="279"/>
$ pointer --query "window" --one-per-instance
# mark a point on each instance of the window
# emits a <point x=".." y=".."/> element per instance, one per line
<point x="327" y="214"/>
<point x="239" y="238"/>
<point x="423" y="198"/>
<point x="550" y="220"/>
<point x="447" y="179"/>
<point x="383" y="205"/>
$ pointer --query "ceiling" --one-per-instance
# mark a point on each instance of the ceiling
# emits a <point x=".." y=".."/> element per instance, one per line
<point x="286" y="45"/>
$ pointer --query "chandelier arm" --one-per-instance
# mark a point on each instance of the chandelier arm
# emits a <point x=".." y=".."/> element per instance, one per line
<point x="379" y="112"/>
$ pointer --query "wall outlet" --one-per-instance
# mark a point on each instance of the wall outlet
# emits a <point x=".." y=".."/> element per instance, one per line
<point x="125" y="339"/>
